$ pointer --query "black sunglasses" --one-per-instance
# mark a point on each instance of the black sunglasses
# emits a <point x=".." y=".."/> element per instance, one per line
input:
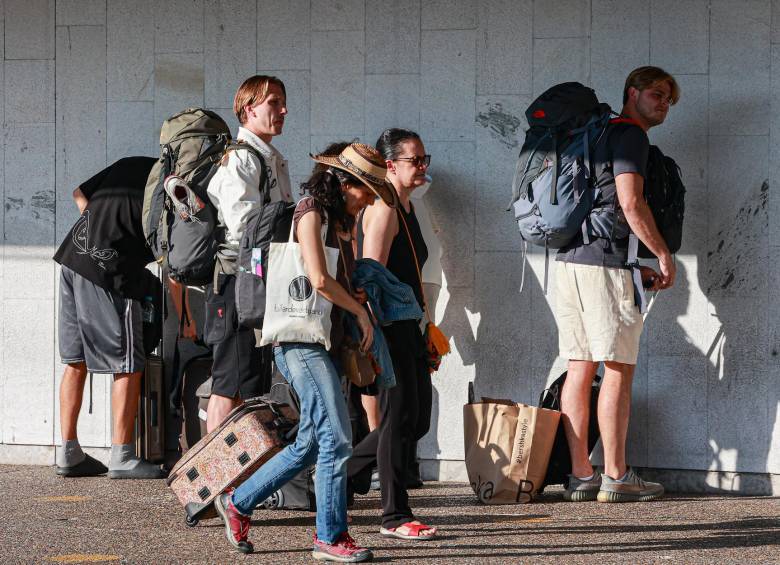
<point x="416" y="161"/>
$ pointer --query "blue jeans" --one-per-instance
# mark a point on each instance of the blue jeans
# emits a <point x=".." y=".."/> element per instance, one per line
<point x="324" y="436"/>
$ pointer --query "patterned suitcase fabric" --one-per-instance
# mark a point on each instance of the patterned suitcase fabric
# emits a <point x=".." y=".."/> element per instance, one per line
<point x="250" y="436"/>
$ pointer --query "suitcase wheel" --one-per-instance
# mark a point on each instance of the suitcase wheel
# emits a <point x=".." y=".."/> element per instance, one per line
<point x="275" y="501"/>
<point x="191" y="522"/>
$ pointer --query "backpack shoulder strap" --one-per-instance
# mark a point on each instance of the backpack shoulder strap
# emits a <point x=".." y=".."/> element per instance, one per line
<point x="265" y="187"/>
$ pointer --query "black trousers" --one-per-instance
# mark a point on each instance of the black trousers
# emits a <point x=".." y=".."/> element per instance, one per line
<point x="406" y="417"/>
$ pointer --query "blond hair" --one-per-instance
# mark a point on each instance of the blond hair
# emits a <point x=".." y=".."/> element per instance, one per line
<point x="253" y="91"/>
<point x="645" y="77"/>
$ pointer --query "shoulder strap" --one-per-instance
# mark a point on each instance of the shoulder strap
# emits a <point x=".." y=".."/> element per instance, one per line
<point x="416" y="263"/>
<point x="265" y="186"/>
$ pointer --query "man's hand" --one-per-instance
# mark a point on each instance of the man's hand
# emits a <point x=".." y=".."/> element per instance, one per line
<point x="668" y="270"/>
<point x="80" y="200"/>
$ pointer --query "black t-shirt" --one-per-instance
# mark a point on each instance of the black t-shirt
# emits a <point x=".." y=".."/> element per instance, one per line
<point x="107" y="245"/>
<point x="624" y="150"/>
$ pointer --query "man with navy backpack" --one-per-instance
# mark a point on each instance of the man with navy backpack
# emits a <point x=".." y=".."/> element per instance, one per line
<point x="600" y="294"/>
<point x="235" y="190"/>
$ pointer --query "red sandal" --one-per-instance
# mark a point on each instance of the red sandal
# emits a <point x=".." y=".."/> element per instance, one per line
<point x="413" y="531"/>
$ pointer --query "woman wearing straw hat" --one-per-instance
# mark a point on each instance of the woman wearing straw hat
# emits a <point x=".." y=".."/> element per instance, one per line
<point x="392" y="236"/>
<point x="348" y="178"/>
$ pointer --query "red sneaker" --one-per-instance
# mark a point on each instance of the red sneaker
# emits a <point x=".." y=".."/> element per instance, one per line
<point x="236" y="524"/>
<point x="344" y="550"/>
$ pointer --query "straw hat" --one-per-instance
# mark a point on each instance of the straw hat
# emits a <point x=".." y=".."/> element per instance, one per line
<point x="367" y="165"/>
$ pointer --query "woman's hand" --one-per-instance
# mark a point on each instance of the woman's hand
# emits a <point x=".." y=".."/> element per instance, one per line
<point x="366" y="330"/>
<point x="360" y="295"/>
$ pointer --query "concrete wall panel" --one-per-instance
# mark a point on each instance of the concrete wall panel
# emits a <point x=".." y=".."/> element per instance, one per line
<point x="500" y="132"/>
<point x="81" y="12"/>
<point x="29" y="29"/>
<point x="28" y="341"/>
<point x="502" y="360"/>
<point x="345" y="15"/>
<point x="392" y="101"/>
<point x="130" y="41"/>
<point x="560" y="60"/>
<point x="448" y="85"/>
<point x="337" y="83"/>
<point x="618" y="44"/>
<point x="231" y="47"/>
<point x="563" y="18"/>
<point x="178" y="84"/>
<point x="739" y="61"/>
<point x="449" y="14"/>
<point x="179" y="26"/>
<point x="392" y="37"/>
<point x="676" y="387"/>
<point x="505" y="47"/>
<point x="283" y="40"/>
<point x="680" y="27"/>
<point x="131" y="130"/>
<point x="775" y="21"/>
<point x="81" y="105"/>
<point x="29" y="199"/>
<point x="29" y="88"/>
<point x="451" y="205"/>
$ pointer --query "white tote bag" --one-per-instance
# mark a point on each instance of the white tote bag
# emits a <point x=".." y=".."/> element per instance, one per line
<point x="294" y="311"/>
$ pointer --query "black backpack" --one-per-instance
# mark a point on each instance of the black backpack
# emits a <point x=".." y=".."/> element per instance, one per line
<point x="271" y="223"/>
<point x="559" y="468"/>
<point x="665" y="195"/>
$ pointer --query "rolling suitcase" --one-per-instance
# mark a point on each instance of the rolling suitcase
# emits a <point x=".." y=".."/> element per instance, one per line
<point x="250" y="435"/>
<point x="150" y="439"/>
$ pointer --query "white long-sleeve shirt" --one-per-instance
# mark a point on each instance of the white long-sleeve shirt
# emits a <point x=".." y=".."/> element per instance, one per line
<point x="235" y="187"/>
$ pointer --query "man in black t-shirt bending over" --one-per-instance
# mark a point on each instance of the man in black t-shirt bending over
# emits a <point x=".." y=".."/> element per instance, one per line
<point x="599" y="295"/>
<point x="103" y="284"/>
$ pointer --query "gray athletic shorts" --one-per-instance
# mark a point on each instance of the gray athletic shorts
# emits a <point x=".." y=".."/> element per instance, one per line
<point x="99" y="327"/>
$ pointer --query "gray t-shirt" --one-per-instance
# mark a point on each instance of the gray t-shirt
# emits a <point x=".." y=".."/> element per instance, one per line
<point x="623" y="150"/>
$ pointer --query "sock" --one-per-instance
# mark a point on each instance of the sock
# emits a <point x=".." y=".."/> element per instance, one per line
<point x="70" y="454"/>
<point x="588" y="478"/>
<point x="123" y="457"/>
<point x="624" y="477"/>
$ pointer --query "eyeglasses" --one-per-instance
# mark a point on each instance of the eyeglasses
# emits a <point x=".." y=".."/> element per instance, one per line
<point x="416" y="161"/>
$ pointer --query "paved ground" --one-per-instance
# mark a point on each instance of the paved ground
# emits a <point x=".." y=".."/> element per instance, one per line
<point x="50" y="519"/>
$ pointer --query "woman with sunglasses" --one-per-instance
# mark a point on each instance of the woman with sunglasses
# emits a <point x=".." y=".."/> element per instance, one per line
<point x="392" y="236"/>
<point x="348" y="178"/>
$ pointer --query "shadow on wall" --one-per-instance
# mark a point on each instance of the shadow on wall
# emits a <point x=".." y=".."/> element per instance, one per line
<point x="742" y="372"/>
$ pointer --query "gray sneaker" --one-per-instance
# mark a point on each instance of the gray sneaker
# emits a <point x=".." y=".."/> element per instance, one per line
<point x="582" y="491"/>
<point x="631" y="489"/>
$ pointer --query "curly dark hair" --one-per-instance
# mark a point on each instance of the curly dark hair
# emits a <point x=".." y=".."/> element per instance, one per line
<point x="324" y="185"/>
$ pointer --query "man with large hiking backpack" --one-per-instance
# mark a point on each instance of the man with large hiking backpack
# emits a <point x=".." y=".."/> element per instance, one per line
<point x="107" y="297"/>
<point x="243" y="183"/>
<point x="600" y="294"/>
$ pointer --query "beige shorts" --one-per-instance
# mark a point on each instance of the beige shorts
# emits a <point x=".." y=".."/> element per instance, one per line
<point x="596" y="314"/>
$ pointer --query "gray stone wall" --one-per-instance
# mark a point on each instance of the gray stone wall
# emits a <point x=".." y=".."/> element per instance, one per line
<point x="88" y="81"/>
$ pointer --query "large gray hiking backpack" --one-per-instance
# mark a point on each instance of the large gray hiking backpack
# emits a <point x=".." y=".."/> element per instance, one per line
<point x="179" y="221"/>
<point x="553" y="190"/>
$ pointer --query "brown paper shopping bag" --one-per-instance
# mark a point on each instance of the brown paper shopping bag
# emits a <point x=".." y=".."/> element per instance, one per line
<point x="508" y="448"/>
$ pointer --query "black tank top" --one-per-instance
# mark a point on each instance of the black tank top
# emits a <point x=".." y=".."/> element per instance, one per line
<point x="400" y="261"/>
